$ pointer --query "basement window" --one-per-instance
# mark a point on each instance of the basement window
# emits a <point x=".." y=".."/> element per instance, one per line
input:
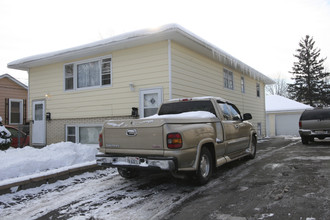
<point x="83" y="134"/>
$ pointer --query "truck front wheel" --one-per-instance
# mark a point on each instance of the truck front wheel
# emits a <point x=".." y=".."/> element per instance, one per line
<point x="127" y="173"/>
<point x="205" y="167"/>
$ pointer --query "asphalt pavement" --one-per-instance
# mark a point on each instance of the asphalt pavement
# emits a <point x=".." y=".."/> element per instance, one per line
<point x="287" y="180"/>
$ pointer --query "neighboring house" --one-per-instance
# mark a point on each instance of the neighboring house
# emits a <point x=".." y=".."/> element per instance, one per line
<point x="283" y="115"/>
<point x="79" y="88"/>
<point x="13" y="97"/>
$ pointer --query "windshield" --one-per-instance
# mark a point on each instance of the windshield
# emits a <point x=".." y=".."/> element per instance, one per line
<point x="189" y="106"/>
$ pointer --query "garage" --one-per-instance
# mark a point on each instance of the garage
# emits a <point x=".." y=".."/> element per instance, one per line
<point x="287" y="124"/>
<point x="282" y="116"/>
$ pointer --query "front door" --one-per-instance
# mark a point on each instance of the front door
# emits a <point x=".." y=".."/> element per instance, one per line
<point x="150" y="100"/>
<point x="38" y="123"/>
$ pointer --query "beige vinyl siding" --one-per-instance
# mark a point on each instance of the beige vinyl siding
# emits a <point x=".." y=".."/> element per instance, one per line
<point x="196" y="75"/>
<point x="145" y="67"/>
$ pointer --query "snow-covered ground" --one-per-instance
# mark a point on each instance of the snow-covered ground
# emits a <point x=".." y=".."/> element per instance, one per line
<point x="25" y="163"/>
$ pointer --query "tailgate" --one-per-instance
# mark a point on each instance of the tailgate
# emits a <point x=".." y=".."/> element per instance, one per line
<point x="135" y="137"/>
<point x="316" y="125"/>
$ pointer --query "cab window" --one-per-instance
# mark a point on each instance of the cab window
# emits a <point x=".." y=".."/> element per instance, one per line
<point x="225" y="111"/>
<point x="235" y="112"/>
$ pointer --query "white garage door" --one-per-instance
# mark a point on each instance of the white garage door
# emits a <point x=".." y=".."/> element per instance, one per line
<point x="287" y="124"/>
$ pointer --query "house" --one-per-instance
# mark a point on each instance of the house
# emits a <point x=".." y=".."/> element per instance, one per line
<point x="13" y="97"/>
<point x="72" y="91"/>
<point x="282" y="115"/>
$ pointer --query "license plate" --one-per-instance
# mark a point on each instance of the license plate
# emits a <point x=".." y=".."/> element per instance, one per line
<point x="133" y="160"/>
<point x="321" y="132"/>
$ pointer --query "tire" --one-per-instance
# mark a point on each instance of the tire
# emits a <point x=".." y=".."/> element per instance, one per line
<point x="127" y="173"/>
<point x="253" y="148"/>
<point x="304" y="140"/>
<point x="205" y="167"/>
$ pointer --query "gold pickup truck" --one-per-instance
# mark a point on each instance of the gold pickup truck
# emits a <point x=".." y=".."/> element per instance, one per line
<point x="186" y="136"/>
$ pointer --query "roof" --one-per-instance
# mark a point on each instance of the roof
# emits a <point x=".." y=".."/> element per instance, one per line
<point x="276" y="103"/>
<point x="136" y="38"/>
<point x="14" y="80"/>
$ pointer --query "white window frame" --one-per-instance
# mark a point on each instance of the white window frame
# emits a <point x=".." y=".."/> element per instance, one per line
<point x="242" y="84"/>
<point x="228" y="78"/>
<point x="20" y="111"/>
<point x="77" y="130"/>
<point x="75" y="74"/>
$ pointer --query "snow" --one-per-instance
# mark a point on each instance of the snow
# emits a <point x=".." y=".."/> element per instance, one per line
<point x="276" y="103"/>
<point x="155" y="33"/>
<point x="7" y="134"/>
<point x="185" y="115"/>
<point x="28" y="162"/>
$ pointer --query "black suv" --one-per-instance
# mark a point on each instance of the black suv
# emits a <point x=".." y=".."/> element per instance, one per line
<point x="314" y="123"/>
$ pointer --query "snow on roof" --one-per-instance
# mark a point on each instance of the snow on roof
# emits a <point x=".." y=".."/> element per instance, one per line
<point x="276" y="103"/>
<point x="146" y="36"/>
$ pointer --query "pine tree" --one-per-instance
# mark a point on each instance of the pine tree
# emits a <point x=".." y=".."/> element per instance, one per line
<point x="310" y="86"/>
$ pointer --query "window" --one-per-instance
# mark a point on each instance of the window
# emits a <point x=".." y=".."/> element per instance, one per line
<point x="225" y="111"/>
<point x="228" y="79"/>
<point x="15" y="111"/>
<point x="71" y="134"/>
<point x="259" y="129"/>
<point x="84" y="134"/>
<point x="242" y="85"/>
<point x="230" y="111"/>
<point x="150" y="100"/>
<point x="258" y="90"/>
<point x="88" y="74"/>
<point x="234" y="112"/>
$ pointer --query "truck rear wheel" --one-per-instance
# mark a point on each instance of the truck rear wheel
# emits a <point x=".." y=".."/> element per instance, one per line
<point x="304" y="140"/>
<point x="205" y="167"/>
<point x="127" y="173"/>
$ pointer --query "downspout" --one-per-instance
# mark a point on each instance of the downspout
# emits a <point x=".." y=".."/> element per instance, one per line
<point x="28" y="110"/>
<point x="169" y="54"/>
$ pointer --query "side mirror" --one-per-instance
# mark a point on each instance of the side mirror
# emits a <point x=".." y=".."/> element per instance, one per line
<point x="247" y="116"/>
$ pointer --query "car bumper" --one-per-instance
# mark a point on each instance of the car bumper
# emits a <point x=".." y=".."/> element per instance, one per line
<point x="162" y="163"/>
<point x="311" y="133"/>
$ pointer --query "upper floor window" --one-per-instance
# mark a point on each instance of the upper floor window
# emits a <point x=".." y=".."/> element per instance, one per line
<point x="242" y="85"/>
<point x="258" y="90"/>
<point x="88" y="73"/>
<point x="228" y="79"/>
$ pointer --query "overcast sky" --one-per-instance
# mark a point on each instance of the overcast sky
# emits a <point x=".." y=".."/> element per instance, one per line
<point x="262" y="33"/>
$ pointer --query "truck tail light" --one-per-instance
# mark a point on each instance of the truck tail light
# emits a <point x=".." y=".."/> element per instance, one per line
<point x="174" y="140"/>
<point x="300" y="124"/>
<point x="101" y="140"/>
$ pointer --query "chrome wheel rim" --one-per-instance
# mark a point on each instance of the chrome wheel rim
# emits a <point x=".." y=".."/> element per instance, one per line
<point x="204" y="166"/>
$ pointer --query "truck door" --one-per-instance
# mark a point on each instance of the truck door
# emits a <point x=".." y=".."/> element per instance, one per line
<point x="236" y="131"/>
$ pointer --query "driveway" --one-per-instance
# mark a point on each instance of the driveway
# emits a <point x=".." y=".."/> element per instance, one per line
<point x="287" y="180"/>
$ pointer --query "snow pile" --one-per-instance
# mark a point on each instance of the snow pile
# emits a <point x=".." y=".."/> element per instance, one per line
<point x="4" y="141"/>
<point x="4" y="133"/>
<point x="186" y="115"/>
<point x="26" y="161"/>
<point x="276" y="103"/>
